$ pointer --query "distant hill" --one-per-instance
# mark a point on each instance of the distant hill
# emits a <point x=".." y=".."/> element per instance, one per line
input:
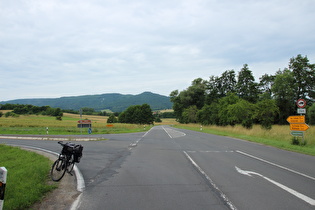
<point x="114" y="101"/>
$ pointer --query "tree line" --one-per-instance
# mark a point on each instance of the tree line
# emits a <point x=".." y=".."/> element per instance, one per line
<point x="25" y="109"/>
<point x="137" y="114"/>
<point x="236" y="98"/>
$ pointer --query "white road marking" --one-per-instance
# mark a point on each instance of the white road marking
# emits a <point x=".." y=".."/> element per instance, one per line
<point x="274" y="164"/>
<point x="293" y="192"/>
<point x="134" y="144"/>
<point x="209" y="151"/>
<point x="176" y="134"/>
<point x="222" y="195"/>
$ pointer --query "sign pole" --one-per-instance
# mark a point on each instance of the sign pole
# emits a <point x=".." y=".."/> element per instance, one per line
<point x="81" y="121"/>
<point x="297" y="123"/>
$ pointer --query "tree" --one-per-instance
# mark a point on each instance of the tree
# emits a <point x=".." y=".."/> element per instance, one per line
<point x="146" y="114"/>
<point x="194" y="95"/>
<point x="219" y="87"/>
<point x="112" y="119"/>
<point x="304" y="76"/>
<point x="189" y="115"/>
<point x="311" y="114"/>
<point x="209" y="114"/>
<point x="265" y="112"/>
<point x="246" y="86"/>
<point x="224" y="103"/>
<point x="283" y="90"/>
<point x="241" y="113"/>
<point x="227" y="83"/>
<point x="265" y="84"/>
<point x="137" y="114"/>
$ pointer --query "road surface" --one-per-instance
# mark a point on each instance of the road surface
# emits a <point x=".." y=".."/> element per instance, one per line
<point x="168" y="168"/>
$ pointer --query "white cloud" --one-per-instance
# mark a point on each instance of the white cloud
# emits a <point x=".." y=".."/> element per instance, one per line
<point x="52" y="48"/>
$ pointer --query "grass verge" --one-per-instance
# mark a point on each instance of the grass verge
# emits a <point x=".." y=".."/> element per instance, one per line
<point x="279" y="136"/>
<point x="27" y="178"/>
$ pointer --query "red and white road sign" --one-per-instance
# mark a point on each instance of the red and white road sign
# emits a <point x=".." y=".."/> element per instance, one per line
<point x="301" y="103"/>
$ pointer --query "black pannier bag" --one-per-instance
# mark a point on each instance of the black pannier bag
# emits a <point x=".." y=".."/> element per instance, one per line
<point x="77" y="153"/>
<point x="68" y="148"/>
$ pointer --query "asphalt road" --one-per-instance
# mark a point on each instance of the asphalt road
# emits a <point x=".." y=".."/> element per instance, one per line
<point x="167" y="168"/>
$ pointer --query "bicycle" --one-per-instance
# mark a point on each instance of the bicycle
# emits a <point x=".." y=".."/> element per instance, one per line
<point x="70" y="154"/>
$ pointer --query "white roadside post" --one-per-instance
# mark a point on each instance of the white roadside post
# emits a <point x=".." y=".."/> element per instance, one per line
<point x="3" y="180"/>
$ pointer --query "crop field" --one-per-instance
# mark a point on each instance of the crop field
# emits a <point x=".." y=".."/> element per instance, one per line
<point x="38" y="124"/>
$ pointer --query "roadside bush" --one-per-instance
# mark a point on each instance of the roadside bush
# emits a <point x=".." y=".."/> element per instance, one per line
<point x="311" y="114"/>
<point x="296" y="141"/>
<point x="11" y="114"/>
<point x="112" y="119"/>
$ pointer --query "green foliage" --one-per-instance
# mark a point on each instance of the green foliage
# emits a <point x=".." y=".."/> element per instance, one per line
<point x="112" y="119"/>
<point x="21" y="109"/>
<point x="189" y="115"/>
<point x="241" y="113"/>
<point x="194" y="95"/>
<point x="246" y="86"/>
<point x="1" y="114"/>
<point x="11" y="114"/>
<point x="311" y="114"/>
<point x="137" y="114"/>
<point x="223" y="100"/>
<point x="265" y="113"/>
<point x="111" y="101"/>
<point x="283" y="91"/>
<point x="27" y="177"/>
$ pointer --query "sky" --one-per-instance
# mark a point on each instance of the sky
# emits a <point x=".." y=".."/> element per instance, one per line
<point x="57" y="48"/>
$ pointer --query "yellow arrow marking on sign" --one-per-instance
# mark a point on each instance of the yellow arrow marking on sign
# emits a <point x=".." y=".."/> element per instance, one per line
<point x="296" y="119"/>
<point x="299" y="127"/>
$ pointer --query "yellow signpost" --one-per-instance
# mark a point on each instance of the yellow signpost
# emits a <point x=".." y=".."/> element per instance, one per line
<point x="296" y="119"/>
<point x="298" y="127"/>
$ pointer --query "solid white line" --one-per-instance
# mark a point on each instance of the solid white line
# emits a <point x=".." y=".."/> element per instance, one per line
<point x="167" y="132"/>
<point x="293" y="192"/>
<point x="222" y="195"/>
<point x="75" y="205"/>
<point x="274" y="164"/>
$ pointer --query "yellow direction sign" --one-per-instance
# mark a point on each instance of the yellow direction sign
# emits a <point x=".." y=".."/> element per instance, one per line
<point x="296" y="119"/>
<point x="299" y="127"/>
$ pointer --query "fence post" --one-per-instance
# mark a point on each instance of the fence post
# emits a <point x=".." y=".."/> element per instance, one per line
<point x="3" y="180"/>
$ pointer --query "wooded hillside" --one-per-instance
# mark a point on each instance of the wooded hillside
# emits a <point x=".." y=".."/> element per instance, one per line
<point x="114" y="101"/>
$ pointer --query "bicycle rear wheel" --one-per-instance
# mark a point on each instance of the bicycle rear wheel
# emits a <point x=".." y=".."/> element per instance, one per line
<point x="58" y="170"/>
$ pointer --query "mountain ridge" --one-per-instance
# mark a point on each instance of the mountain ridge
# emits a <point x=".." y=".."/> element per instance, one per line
<point x="116" y="102"/>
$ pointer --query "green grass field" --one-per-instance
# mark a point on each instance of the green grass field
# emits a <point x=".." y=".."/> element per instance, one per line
<point x="27" y="178"/>
<point x="37" y="124"/>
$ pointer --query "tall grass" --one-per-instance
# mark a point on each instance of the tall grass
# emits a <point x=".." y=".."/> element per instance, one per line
<point x="27" y="178"/>
<point x="279" y="136"/>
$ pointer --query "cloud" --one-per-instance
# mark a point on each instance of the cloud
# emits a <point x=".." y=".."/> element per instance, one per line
<point x="57" y="48"/>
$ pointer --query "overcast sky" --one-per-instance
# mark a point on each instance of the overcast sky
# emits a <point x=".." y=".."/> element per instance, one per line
<point x="55" y="48"/>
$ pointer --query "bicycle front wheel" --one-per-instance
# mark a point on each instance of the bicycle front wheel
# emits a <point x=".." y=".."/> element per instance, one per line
<point x="70" y="164"/>
<point x="58" y="170"/>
